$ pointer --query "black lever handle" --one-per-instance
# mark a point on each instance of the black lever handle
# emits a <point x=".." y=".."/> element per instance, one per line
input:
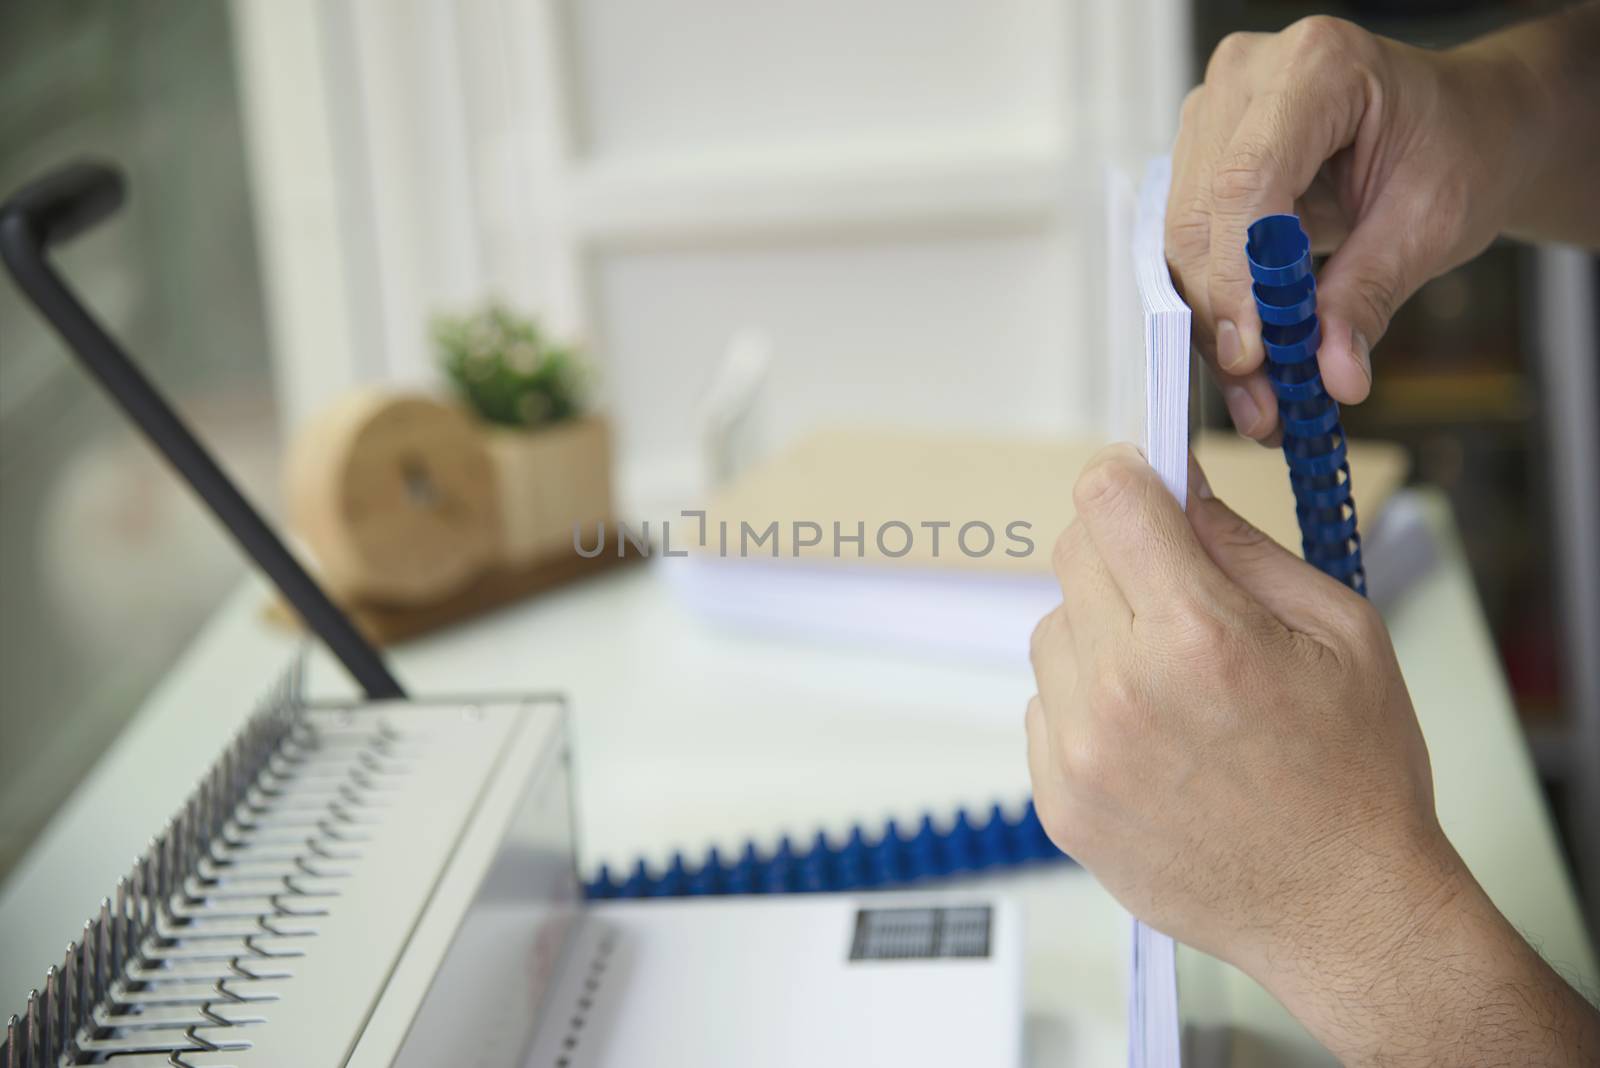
<point x="66" y="202"/>
<point x="60" y="206"/>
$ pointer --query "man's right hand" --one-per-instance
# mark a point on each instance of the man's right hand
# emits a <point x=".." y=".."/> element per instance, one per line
<point x="1222" y="736"/>
<point x="1401" y="162"/>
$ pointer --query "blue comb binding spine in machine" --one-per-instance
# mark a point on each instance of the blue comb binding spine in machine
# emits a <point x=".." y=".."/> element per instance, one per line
<point x="1285" y="292"/>
<point x="888" y="859"/>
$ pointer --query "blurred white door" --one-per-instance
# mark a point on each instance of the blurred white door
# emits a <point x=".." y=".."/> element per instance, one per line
<point x="901" y="198"/>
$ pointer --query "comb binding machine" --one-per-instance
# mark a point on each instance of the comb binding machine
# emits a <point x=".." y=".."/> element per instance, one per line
<point x="393" y="882"/>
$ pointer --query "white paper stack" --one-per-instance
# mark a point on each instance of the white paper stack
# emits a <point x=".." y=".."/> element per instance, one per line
<point x="1159" y="384"/>
<point x="1154" y="1033"/>
<point x="1166" y="337"/>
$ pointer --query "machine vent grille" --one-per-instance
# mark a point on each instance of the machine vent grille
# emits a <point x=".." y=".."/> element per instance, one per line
<point x="921" y="933"/>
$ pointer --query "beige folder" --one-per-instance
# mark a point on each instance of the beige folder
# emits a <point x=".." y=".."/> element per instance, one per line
<point x="866" y="479"/>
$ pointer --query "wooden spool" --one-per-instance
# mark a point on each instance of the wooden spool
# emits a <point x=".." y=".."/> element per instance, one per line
<point x="394" y="495"/>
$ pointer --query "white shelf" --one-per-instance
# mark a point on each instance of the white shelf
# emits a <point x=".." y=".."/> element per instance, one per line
<point x="1004" y="181"/>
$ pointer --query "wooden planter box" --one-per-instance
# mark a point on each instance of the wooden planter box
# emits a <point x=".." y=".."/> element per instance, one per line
<point x="547" y="480"/>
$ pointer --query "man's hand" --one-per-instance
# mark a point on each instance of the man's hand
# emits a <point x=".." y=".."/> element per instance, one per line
<point x="1401" y="162"/>
<point x="1222" y="736"/>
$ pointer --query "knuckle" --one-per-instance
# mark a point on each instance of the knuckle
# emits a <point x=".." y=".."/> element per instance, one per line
<point x="1227" y="57"/>
<point x="1242" y="177"/>
<point x="1106" y="481"/>
<point x="1113" y="696"/>
<point x="1079" y="760"/>
<point x="1319" y="37"/>
<point x="1228" y="292"/>
<point x="1197" y="631"/>
<point x="1360" y="619"/>
<point x="1188" y="234"/>
<point x="1240" y="537"/>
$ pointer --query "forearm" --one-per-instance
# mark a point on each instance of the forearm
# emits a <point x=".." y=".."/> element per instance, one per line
<point x="1551" y="76"/>
<point x="1442" y="979"/>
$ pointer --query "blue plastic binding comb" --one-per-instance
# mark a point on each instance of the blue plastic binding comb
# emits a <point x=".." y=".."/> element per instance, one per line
<point x="860" y="863"/>
<point x="1313" y="440"/>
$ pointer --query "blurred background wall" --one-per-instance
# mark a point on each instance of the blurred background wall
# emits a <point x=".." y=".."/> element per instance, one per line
<point x="901" y="198"/>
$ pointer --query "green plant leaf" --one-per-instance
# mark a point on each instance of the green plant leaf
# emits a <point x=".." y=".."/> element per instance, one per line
<point x="505" y="369"/>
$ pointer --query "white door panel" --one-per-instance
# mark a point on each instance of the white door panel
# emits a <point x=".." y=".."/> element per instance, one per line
<point x="899" y="194"/>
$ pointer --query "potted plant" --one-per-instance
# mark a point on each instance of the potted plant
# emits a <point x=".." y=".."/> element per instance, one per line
<point x="552" y="456"/>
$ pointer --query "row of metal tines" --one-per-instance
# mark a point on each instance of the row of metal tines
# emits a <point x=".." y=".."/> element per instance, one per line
<point x="70" y="1019"/>
<point x="1278" y="251"/>
<point x="861" y="862"/>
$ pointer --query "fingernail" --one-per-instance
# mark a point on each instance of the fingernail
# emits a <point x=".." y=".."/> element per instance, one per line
<point x="1250" y="347"/>
<point x="1230" y="352"/>
<point x="1242" y="407"/>
<point x="1363" y="353"/>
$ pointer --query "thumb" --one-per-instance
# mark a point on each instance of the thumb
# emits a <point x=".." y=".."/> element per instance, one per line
<point x="1364" y="283"/>
<point x="1286" y="586"/>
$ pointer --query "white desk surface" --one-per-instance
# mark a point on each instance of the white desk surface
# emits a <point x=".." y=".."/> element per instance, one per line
<point x="685" y="736"/>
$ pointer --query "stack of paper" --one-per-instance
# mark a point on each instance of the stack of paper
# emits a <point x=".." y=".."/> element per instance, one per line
<point x="1154" y="1035"/>
<point x="935" y="600"/>
<point x="926" y="596"/>
<point x="1153" y="1028"/>
<point x="1165" y="328"/>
